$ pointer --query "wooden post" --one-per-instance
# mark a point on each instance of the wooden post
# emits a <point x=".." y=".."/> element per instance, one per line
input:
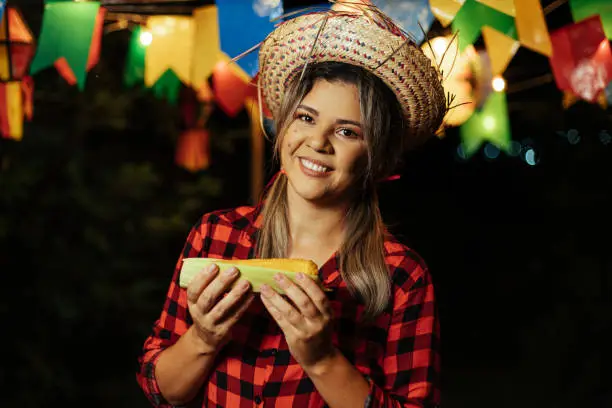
<point x="257" y="150"/>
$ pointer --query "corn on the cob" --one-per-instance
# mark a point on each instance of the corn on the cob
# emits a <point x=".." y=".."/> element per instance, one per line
<point x="256" y="271"/>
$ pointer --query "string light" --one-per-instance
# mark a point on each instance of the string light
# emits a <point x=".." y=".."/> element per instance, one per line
<point x="439" y="45"/>
<point x="145" y="38"/>
<point x="499" y="84"/>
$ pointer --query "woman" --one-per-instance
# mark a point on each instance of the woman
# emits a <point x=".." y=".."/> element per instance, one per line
<point x="348" y="92"/>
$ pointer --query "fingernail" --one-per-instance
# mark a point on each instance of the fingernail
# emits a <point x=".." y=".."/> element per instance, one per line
<point x="231" y="271"/>
<point x="265" y="289"/>
<point x="299" y="276"/>
<point x="210" y="268"/>
<point x="279" y="277"/>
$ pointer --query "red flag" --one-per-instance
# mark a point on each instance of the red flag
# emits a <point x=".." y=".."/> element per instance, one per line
<point x="582" y="60"/>
<point x="229" y="88"/>
<point x="27" y="88"/>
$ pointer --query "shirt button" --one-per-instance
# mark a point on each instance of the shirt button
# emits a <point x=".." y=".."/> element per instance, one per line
<point x="273" y="352"/>
<point x="257" y="399"/>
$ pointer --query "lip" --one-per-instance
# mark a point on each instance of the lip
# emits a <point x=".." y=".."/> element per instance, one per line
<point x="312" y="173"/>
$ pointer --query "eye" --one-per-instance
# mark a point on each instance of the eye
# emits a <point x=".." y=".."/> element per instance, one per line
<point x="304" y="117"/>
<point x="348" y="133"/>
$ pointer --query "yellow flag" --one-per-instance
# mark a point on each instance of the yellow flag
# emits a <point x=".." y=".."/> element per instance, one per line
<point x="504" y="6"/>
<point x="13" y="129"/>
<point x="445" y="10"/>
<point x="531" y="26"/>
<point x="171" y="48"/>
<point x="500" y="48"/>
<point x="570" y="99"/>
<point x="206" y="51"/>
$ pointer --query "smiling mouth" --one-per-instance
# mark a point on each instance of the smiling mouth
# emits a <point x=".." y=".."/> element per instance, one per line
<point x="315" y="167"/>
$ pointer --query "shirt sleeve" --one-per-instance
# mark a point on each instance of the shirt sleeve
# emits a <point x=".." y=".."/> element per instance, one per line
<point x="173" y="321"/>
<point x="412" y="362"/>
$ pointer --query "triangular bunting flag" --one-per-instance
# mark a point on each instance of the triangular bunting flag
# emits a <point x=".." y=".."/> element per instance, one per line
<point x="230" y="87"/>
<point x="582" y="9"/>
<point x="206" y="52"/>
<point x="171" y="48"/>
<point x="489" y="124"/>
<point x="62" y="65"/>
<point x="531" y="26"/>
<point x="569" y="99"/>
<point x="135" y="59"/>
<point x="167" y="87"/>
<point x="582" y="59"/>
<point x="473" y="16"/>
<point x="67" y="31"/>
<point x="503" y="6"/>
<point x="11" y="110"/>
<point x="445" y="10"/>
<point x="500" y="48"/>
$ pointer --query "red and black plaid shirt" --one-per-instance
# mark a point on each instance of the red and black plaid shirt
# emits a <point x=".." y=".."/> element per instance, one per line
<point x="397" y="353"/>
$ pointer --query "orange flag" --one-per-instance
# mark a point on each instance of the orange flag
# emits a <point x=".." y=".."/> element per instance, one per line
<point x="193" y="150"/>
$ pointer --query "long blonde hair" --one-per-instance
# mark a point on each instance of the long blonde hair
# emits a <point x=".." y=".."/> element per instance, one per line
<point x="362" y="254"/>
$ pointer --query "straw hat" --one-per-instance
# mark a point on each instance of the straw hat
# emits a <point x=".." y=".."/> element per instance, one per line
<point x="366" y="38"/>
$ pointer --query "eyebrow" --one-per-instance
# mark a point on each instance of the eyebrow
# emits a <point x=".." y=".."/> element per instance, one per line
<point x="339" y="121"/>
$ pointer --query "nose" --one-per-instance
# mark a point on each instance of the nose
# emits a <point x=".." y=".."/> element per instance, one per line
<point x="319" y="142"/>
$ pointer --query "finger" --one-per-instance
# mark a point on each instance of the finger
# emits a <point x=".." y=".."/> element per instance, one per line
<point x="315" y="294"/>
<point x="201" y="281"/>
<point x="276" y="314"/>
<point x="288" y="312"/>
<point x="211" y="294"/>
<point x="232" y="301"/>
<point x="238" y="311"/>
<point x="296" y="294"/>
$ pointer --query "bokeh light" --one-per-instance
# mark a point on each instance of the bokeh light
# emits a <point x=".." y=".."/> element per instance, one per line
<point x="514" y="149"/>
<point x="146" y="38"/>
<point x="499" y="84"/>
<point x="605" y="137"/>
<point x="491" y="151"/>
<point x="573" y="136"/>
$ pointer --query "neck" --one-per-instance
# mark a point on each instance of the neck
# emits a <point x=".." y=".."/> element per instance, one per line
<point x="311" y="224"/>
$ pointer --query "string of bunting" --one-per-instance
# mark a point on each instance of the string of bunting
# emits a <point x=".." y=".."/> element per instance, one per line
<point x="168" y="53"/>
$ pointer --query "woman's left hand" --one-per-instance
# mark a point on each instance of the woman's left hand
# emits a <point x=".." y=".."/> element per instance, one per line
<point x="307" y="325"/>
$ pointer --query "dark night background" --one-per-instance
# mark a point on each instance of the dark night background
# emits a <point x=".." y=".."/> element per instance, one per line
<point x="94" y="212"/>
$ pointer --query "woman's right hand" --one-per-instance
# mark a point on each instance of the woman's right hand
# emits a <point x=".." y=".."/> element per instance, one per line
<point x="213" y="313"/>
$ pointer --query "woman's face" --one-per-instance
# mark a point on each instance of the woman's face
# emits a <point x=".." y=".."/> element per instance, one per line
<point x="323" y="149"/>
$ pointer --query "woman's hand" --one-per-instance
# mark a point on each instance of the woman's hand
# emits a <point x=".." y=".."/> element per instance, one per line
<point x="213" y="313"/>
<point x="307" y="325"/>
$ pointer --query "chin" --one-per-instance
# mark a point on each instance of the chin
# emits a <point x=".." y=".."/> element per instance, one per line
<point x="312" y="193"/>
<point x="320" y="193"/>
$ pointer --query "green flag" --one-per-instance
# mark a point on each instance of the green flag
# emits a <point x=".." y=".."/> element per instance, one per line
<point x="491" y="124"/>
<point x="582" y="9"/>
<point x="135" y="60"/>
<point x="67" y="31"/>
<point x="167" y="86"/>
<point x="472" y="16"/>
